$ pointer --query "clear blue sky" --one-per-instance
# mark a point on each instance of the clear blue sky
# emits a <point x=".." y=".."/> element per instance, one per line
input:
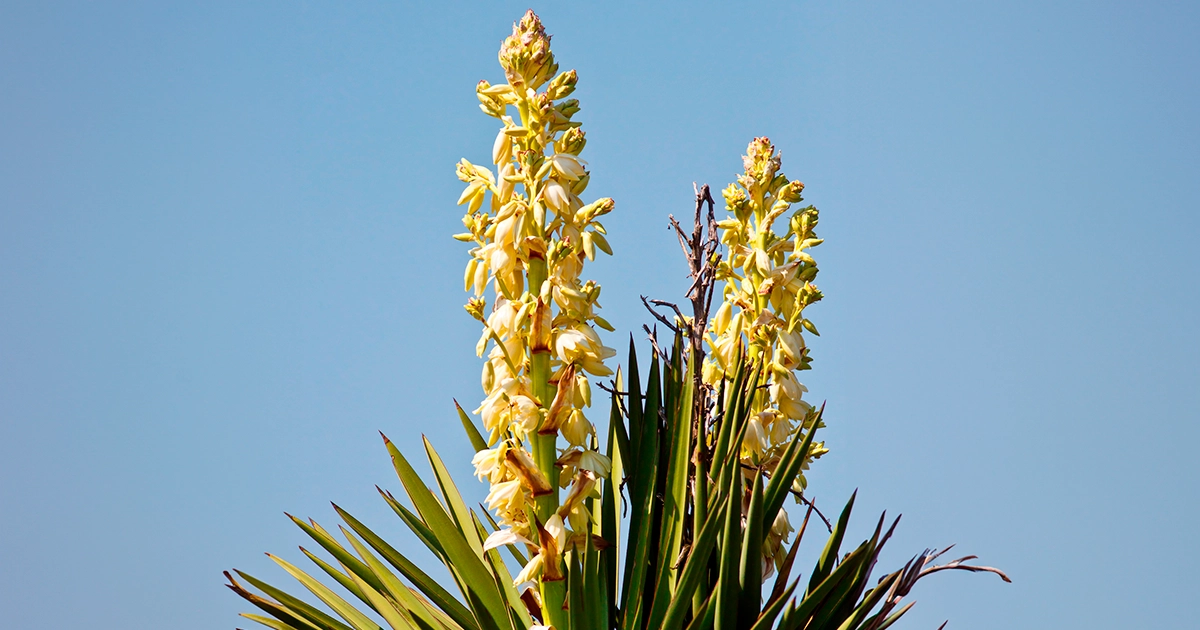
<point x="225" y="264"/>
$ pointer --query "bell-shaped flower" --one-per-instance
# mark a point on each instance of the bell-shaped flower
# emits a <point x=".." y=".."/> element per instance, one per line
<point x="576" y="430"/>
<point x="557" y="197"/>
<point x="530" y="572"/>
<point x="568" y="166"/>
<point x="505" y="496"/>
<point x="489" y="463"/>
<point x="526" y="415"/>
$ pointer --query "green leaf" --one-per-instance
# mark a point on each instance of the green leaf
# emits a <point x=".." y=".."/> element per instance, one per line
<point x="409" y="607"/>
<point x="894" y="617"/>
<point x="618" y="434"/>
<point x="609" y="516"/>
<point x="697" y="563"/>
<point x="728" y="580"/>
<point x="333" y="547"/>
<point x="873" y="597"/>
<point x="337" y="575"/>
<point x="750" y="600"/>
<point x="767" y="618"/>
<point x="414" y="523"/>
<point x="640" y="556"/>
<point x="352" y="615"/>
<point x="295" y="606"/>
<point x="820" y="597"/>
<point x="458" y="508"/>
<point x="705" y="614"/>
<point x="785" y="473"/>
<point x="479" y="583"/>
<point x="267" y="621"/>
<point x="385" y="609"/>
<point x="280" y="611"/>
<point x="595" y="585"/>
<point x="434" y="591"/>
<point x="577" y="609"/>
<point x="832" y="547"/>
<point x="473" y="434"/>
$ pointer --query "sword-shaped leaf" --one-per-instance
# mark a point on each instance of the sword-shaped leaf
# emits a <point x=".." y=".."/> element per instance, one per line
<point x="458" y="508"/>
<point x="352" y="615"/>
<point x="473" y="434"/>
<point x="434" y="591"/>
<point x="479" y="583"/>
<point x="294" y="605"/>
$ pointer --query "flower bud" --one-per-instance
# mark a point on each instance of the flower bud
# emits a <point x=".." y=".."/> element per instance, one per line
<point x="735" y="200"/>
<point x="526" y="52"/>
<point x="572" y="141"/>
<point x="760" y="161"/>
<point x="501" y="148"/>
<point x="568" y="108"/>
<point x="562" y="85"/>
<point x="490" y="104"/>
<point x="790" y="193"/>
<point x="475" y="307"/>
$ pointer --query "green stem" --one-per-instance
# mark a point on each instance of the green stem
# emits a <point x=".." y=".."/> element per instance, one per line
<point x="545" y="451"/>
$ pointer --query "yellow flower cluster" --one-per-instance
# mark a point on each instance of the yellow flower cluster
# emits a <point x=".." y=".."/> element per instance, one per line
<point x="531" y="243"/>
<point x="768" y="284"/>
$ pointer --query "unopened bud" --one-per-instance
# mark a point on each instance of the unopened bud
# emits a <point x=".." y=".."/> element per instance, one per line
<point x="790" y="193"/>
<point x="572" y="141"/>
<point x="491" y="104"/>
<point x="562" y="85"/>
<point x="568" y="108"/>
<point x="475" y="307"/>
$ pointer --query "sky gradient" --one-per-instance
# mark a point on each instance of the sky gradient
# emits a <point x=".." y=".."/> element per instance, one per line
<point x="226" y="264"/>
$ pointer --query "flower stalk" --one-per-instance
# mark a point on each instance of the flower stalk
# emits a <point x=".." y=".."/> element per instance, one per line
<point x="531" y="244"/>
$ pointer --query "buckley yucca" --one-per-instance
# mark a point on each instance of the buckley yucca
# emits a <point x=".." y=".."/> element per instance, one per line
<point x="674" y="516"/>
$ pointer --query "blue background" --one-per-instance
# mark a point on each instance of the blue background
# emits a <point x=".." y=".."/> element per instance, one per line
<point x="225" y="264"/>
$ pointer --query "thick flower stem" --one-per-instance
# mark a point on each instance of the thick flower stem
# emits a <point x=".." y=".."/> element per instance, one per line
<point x="545" y="451"/>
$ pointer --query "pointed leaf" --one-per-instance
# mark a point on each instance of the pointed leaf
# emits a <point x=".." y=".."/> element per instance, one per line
<point x="434" y="591"/>
<point x="477" y="441"/>
<point x="481" y="590"/>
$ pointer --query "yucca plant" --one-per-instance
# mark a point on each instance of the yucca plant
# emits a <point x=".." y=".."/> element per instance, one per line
<point x="675" y="517"/>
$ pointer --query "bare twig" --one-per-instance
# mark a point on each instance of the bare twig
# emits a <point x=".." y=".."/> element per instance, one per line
<point x="813" y="507"/>
<point x="618" y="395"/>
<point x="673" y="306"/>
<point x="652" y="335"/>
<point x="659" y="316"/>
<point x="612" y="389"/>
